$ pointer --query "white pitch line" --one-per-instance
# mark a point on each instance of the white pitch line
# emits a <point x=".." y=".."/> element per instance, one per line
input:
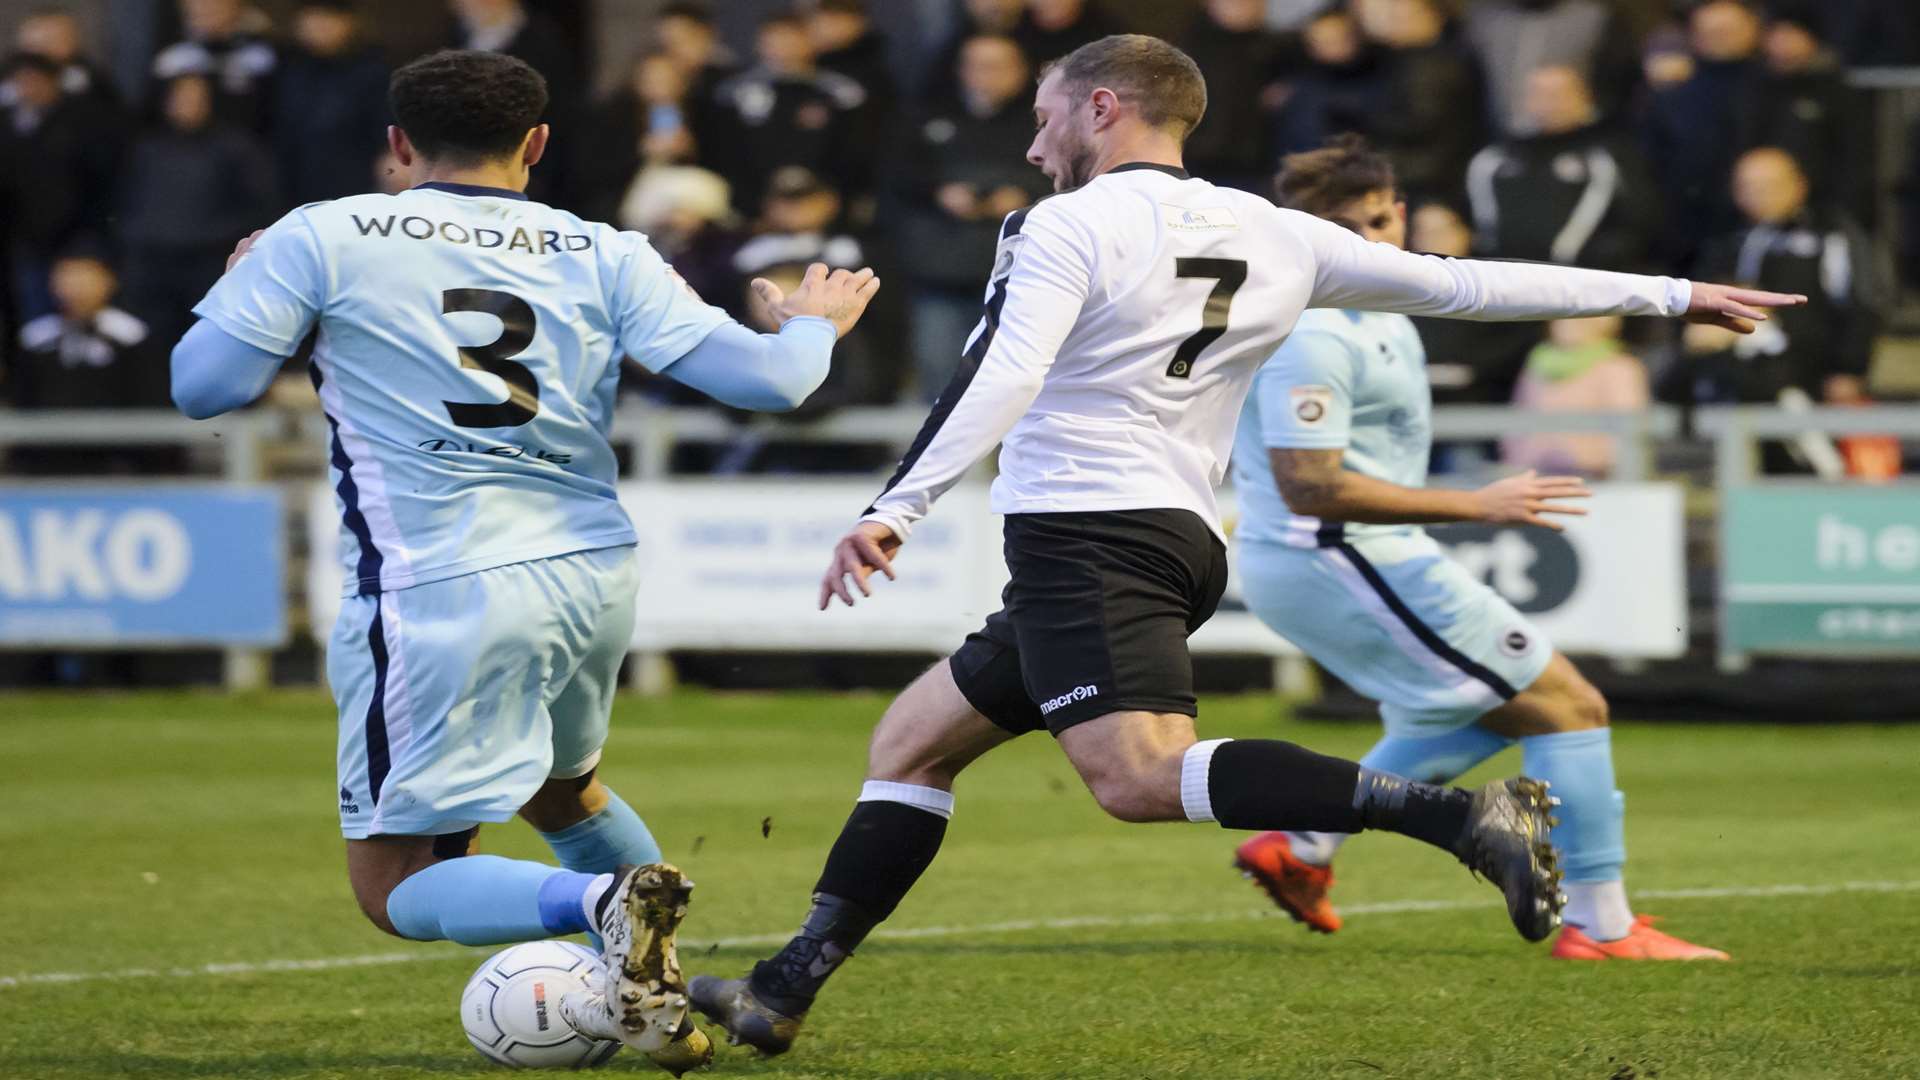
<point x="914" y="933"/>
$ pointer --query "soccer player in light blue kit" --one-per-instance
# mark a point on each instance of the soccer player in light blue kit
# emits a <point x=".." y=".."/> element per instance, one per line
<point x="467" y="352"/>
<point x="1329" y="463"/>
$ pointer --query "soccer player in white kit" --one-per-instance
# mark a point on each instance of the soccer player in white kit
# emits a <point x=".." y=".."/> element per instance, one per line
<point x="1330" y="464"/>
<point x="467" y="351"/>
<point x="1125" y="319"/>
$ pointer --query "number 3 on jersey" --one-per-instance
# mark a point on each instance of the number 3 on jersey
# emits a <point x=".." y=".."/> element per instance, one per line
<point x="517" y="326"/>
<point x="1227" y="275"/>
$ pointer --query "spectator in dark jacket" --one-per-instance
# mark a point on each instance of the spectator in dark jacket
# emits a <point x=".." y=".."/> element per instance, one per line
<point x="1428" y="118"/>
<point x="967" y="172"/>
<point x="845" y="41"/>
<point x="87" y="354"/>
<point x="1244" y="64"/>
<point x="1513" y="38"/>
<point x="238" y="64"/>
<point x="1053" y="28"/>
<point x="787" y="111"/>
<point x="507" y="26"/>
<point x="978" y="18"/>
<point x="57" y="165"/>
<point x="646" y="123"/>
<point x="330" y="120"/>
<point x="684" y="30"/>
<point x="193" y="187"/>
<point x="805" y="223"/>
<point x="55" y="34"/>
<point x="1789" y="245"/>
<point x="1336" y="90"/>
<point x="1572" y="193"/>
<point x="1804" y="106"/>
<point x="1693" y="128"/>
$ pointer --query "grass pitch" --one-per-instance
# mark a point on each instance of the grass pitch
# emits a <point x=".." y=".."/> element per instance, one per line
<point x="175" y="905"/>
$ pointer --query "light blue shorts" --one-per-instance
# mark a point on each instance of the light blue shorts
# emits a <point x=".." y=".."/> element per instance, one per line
<point x="459" y="698"/>
<point x="1399" y="622"/>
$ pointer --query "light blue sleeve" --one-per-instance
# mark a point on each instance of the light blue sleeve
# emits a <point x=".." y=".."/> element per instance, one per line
<point x="766" y="372"/>
<point x="271" y="298"/>
<point x="658" y="316"/>
<point x="215" y="372"/>
<point x="1306" y="393"/>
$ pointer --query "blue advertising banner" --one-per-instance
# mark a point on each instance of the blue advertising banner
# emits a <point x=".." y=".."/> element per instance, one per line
<point x="107" y="565"/>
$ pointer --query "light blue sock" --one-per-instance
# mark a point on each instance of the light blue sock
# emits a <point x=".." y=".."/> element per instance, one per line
<point x="1592" y="831"/>
<point x="597" y="845"/>
<point x="1432" y="759"/>
<point x="488" y="900"/>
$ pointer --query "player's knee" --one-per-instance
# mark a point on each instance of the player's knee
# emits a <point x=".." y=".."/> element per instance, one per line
<point x="899" y="756"/>
<point x="1579" y="707"/>
<point x="372" y="898"/>
<point x="562" y="803"/>
<point x="1132" y="794"/>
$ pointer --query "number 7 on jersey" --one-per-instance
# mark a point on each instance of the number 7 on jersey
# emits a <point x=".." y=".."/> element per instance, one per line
<point x="1227" y="275"/>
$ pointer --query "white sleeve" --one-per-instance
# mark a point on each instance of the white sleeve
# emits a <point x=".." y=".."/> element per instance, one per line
<point x="1043" y="271"/>
<point x="1353" y="273"/>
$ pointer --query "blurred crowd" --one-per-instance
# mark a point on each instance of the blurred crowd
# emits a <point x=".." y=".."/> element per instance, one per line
<point x="1725" y="142"/>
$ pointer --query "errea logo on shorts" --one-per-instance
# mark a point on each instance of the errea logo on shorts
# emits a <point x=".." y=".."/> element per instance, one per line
<point x="1078" y="693"/>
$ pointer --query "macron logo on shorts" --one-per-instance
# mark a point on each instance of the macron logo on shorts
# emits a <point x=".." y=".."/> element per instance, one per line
<point x="1078" y="693"/>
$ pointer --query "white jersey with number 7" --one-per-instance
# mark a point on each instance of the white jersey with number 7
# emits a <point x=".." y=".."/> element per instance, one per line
<point x="1125" y="321"/>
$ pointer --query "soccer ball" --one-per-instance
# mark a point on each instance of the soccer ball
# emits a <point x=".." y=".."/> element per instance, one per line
<point x="511" y="1007"/>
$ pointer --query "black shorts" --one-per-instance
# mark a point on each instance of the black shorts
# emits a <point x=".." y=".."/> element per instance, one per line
<point x="1095" y="619"/>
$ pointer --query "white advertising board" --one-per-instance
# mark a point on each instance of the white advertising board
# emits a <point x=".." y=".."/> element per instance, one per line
<point x="736" y="564"/>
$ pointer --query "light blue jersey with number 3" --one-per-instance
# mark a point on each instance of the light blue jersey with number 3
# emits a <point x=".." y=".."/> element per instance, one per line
<point x="467" y="354"/>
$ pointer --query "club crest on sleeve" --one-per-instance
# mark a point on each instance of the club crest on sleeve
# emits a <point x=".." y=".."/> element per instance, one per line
<point x="1008" y="255"/>
<point x="1311" y="404"/>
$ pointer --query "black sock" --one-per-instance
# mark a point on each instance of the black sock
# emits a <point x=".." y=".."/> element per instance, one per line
<point x="1429" y="812"/>
<point x="882" y="850"/>
<point x="1269" y="784"/>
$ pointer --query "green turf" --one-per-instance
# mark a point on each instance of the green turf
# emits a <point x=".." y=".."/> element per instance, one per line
<point x="162" y="832"/>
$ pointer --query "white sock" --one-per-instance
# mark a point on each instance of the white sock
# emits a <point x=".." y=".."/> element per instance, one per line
<point x="1599" y="909"/>
<point x="932" y="800"/>
<point x="590" y="901"/>
<point x="1195" y="797"/>
<point x="1316" y="848"/>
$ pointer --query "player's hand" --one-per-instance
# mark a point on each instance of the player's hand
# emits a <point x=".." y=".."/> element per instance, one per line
<point x="1525" y="499"/>
<point x="869" y="547"/>
<point x="1734" y="308"/>
<point x="245" y="245"/>
<point x="839" y="297"/>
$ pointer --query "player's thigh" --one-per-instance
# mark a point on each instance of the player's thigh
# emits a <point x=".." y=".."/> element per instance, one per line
<point x="931" y="732"/>
<point x="1131" y="762"/>
<point x="1101" y="605"/>
<point x="603" y="590"/>
<point x="1561" y="699"/>
<point x="443" y="691"/>
<point x="1401" y="623"/>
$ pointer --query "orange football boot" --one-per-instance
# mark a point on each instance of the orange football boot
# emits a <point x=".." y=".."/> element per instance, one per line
<point x="1299" y="887"/>
<point x="1642" y="942"/>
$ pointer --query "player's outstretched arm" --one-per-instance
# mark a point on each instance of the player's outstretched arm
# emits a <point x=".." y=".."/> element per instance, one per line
<point x="1734" y="308"/>
<point x="1314" y="482"/>
<point x="1353" y="273"/>
<point x="839" y="296"/>
<point x="778" y="372"/>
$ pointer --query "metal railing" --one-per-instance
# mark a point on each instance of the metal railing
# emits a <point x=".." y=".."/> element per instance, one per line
<point x="652" y="433"/>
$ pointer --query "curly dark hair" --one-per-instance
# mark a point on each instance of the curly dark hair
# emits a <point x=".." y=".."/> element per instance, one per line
<point x="466" y="106"/>
<point x="1322" y="181"/>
